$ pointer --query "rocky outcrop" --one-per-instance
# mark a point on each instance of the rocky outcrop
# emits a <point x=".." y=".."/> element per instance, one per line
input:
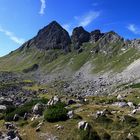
<point x="109" y="43"/>
<point x="53" y="36"/>
<point x="95" y="36"/>
<point x="79" y="36"/>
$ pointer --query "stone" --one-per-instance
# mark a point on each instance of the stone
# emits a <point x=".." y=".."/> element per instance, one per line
<point x="38" y="129"/>
<point x="16" y="117"/>
<point x="120" y="104"/>
<point x="53" y="101"/>
<point x="83" y="125"/>
<point x="120" y="97"/>
<point x="11" y="134"/>
<point x="3" y="108"/>
<point x="70" y="102"/>
<point x="38" y="109"/>
<point x="9" y="125"/>
<point x="130" y="104"/>
<point x="70" y="114"/>
<point x="25" y="116"/>
<point x="131" y="136"/>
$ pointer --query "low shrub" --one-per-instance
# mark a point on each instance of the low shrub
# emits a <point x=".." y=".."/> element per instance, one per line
<point x="27" y="107"/>
<point x="56" y="113"/>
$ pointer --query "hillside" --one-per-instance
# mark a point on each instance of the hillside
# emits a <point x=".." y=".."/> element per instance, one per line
<point x="53" y="55"/>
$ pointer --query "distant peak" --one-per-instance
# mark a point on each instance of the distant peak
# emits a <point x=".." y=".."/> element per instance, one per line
<point x="54" y="23"/>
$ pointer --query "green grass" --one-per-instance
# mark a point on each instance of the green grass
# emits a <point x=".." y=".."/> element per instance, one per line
<point x="117" y="62"/>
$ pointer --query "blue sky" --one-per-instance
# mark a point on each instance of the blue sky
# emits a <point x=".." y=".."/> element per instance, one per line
<point x="20" y="20"/>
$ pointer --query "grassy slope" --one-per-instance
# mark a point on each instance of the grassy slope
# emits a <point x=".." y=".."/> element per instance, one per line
<point x="50" y="61"/>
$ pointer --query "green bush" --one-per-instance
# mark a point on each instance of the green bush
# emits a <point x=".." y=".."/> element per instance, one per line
<point x="56" y="113"/>
<point x="27" y="107"/>
<point x="9" y="117"/>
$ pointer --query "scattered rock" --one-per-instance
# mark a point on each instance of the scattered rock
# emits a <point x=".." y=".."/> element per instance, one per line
<point x="38" y="109"/>
<point x="16" y="117"/>
<point x="120" y="97"/>
<point x="120" y="104"/>
<point x="83" y="125"/>
<point x="53" y="101"/>
<point x="3" y="108"/>
<point x="70" y="114"/>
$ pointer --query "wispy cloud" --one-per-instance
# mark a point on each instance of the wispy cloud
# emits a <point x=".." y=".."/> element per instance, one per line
<point x="68" y="28"/>
<point x="42" y="8"/>
<point x="133" y="28"/>
<point x="86" y="19"/>
<point x="11" y="36"/>
<point x="83" y="20"/>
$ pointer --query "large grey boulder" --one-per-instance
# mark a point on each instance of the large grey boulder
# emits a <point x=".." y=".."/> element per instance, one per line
<point x="3" y="108"/>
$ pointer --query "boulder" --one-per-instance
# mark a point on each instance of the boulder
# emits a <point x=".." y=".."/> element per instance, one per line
<point x="131" y="136"/>
<point x="16" y="117"/>
<point x="120" y="97"/>
<point x="70" y="102"/>
<point x="25" y="116"/>
<point x="83" y="125"/>
<point x="38" y="109"/>
<point x="130" y="104"/>
<point x="53" y="101"/>
<point x="3" y="108"/>
<point x="120" y="104"/>
<point x="11" y="134"/>
<point x="38" y="129"/>
<point x="70" y="114"/>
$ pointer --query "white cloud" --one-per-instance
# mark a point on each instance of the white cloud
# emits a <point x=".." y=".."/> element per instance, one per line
<point x="133" y="28"/>
<point x="68" y="28"/>
<point x="11" y="36"/>
<point x="87" y="18"/>
<point x="42" y="8"/>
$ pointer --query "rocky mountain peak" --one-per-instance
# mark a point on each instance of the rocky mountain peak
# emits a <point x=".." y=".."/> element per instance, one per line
<point x="52" y="36"/>
<point x="79" y="36"/>
<point x="95" y="36"/>
<point x="53" y="25"/>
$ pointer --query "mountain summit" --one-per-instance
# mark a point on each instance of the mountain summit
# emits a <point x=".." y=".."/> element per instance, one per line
<point x="52" y="36"/>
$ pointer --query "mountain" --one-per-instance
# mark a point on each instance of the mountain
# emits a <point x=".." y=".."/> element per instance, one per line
<point x="84" y="57"/>
<point x="79" y="87"/>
